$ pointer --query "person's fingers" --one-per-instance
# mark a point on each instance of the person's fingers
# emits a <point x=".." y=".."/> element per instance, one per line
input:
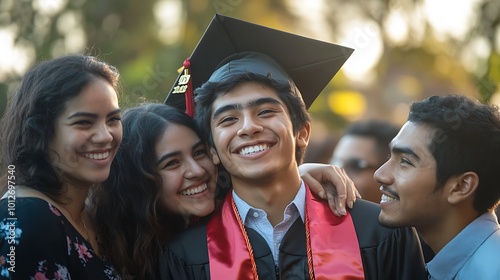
<point x="351" y="191"/>
<point x="314" y="185"/>
<point x="340" y="204"/>
<point x="337" y="181"/>
<point x="358" y="195"/>
<point x="339" y="189"/>
<point x="333" y="184"/>
<point x="332" y="199"/>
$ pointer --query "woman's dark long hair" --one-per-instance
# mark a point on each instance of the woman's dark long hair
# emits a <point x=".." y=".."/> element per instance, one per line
<point x="29" y="122"/>
<point x="131" y="225"/>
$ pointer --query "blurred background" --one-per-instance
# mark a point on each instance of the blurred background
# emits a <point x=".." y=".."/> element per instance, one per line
<point x="404" y="50"/>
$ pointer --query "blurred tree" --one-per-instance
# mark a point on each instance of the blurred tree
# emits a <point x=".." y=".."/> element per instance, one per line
<point x="125" y="33"/>
<point x="488" y="25"/>
<point x="418" y="63"/>
<point x="131" y="35"/>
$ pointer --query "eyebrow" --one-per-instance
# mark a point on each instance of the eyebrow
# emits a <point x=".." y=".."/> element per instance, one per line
<point x="251" y="104"/>
<point x="176" y="153"/>
<point x="405" y="150"/>
<point x="91" y="115"/>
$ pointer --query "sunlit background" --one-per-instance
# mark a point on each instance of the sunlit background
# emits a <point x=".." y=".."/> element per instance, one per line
<point x="404" y="50"/>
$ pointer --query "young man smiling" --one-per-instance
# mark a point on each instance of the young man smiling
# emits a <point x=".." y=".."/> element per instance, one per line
<point x="270" y="226"/>
<point x="442" y="178"/>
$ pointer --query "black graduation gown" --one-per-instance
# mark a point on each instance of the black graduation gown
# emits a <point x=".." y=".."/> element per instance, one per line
<point x="386" y="253"/>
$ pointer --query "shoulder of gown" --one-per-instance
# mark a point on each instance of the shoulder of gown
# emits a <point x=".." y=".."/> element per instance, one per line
<point x="387" y="253"/>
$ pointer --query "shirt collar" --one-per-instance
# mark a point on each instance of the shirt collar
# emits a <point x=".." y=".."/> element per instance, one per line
<point x="299" y="201"/>
<point x="448" y="261"/>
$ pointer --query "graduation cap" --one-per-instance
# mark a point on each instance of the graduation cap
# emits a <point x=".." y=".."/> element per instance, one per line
<point x="309" y="63"/>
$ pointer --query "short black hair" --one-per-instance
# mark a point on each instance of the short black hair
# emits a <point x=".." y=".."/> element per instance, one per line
<point x="466" y="138"/>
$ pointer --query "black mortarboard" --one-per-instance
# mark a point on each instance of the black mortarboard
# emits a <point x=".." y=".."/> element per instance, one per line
<point x="310" y="63"/>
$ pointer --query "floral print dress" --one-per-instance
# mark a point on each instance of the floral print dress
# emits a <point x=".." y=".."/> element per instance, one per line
<point x="38" y="242"/>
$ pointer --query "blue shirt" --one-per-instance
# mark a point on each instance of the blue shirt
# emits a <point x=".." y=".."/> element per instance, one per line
<point x="473" y="254"/>
<point x="256" y="219"/>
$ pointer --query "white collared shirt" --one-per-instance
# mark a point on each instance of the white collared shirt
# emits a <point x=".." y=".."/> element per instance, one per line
<point x="256" y="219"/>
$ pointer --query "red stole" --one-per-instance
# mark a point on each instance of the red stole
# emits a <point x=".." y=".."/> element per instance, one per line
<point x="333" y="249"/>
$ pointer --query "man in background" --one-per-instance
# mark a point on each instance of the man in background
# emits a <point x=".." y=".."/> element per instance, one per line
<point x="363" y="148"/>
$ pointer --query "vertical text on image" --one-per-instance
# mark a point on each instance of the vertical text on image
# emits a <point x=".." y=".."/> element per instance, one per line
<point x="11" y="192"/>
<point x="11" y="219"/>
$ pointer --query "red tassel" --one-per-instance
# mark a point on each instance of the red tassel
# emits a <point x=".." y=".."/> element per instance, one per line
<point x="188" y="95"/>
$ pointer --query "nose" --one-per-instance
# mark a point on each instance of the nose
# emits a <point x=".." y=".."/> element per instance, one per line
<point x="194" y="169"/>
<point x="249" y="126"/>
<point x="382" y="176"/>
<point x="102" y="134"/>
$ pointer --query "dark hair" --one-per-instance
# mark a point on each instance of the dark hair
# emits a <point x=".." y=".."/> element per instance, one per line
<point x="466" y="138"/>
<point x="29" y="122"/>
<point x="132" y="227"/>
<point x="287" y="92"/>
<point x="381" y="131"/>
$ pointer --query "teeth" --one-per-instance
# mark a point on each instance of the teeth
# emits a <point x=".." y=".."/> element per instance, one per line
<point x="97" y="155"/>
<point x="196" y="190"/>
<point x="253" y="149"/>
<point x="386" y="198"/>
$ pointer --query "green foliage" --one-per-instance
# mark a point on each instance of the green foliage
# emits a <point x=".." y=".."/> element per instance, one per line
<point x="126" y="34"/>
